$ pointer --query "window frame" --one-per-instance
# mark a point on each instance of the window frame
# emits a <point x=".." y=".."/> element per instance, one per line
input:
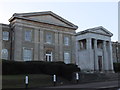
<point x="66" y="40"/>
<point x="5" y="37"/>
<point x="67" y="60"/>
<point x="47" y="40"/>
<point x="6" y="56"/>
<point x="28" y="37"/>
<point x="27" y="57"/>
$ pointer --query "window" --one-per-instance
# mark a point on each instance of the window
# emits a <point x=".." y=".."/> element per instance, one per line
<point x="49" y="56"/>
<point x="82" y="44"/>
<point x="49" y="38"/>
<point x="66" y="57"/>
<point x="28" y="35"/>
<point x="27" y="54"/>
<point x="66" y="40"/>
<point x="5" y="35"/>
<point x="5" y="54"/>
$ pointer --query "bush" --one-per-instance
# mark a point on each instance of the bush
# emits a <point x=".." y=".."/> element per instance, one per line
<point x="116" y="67"/>
<point x="38" y="67"/>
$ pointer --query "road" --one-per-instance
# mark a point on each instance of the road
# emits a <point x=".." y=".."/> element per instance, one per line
<point x="107" y="84"/>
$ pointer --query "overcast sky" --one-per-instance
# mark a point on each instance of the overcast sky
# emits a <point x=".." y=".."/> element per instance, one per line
<point x="83" y="14"/>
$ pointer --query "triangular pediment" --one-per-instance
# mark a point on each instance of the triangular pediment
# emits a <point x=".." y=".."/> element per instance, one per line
<point x="97" y="30"/>
<point x="101" y="30"/>
<point x="45" y="17"/>
<point x="49" y="19"/>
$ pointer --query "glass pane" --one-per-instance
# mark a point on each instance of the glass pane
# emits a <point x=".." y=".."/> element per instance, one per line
<point x="28" y="35"/>
<point x="67" y="57"/>
<point x="5" y="54"/>
<point x="27" y="55"/>
<point x="5" y="35"/>
<point x="66" y="40"/>
<point x="49" y="38"/>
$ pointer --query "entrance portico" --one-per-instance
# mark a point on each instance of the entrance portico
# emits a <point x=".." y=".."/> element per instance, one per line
<point x="97" y="56"/>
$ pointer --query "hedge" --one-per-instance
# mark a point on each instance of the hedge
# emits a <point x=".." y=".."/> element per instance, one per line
<point x="116" y="67"/>
<point x="39" y="67"/>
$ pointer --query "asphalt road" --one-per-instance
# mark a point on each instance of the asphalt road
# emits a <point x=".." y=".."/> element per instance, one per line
<point x="107" y="85"/>
<point x="100" y="85"/>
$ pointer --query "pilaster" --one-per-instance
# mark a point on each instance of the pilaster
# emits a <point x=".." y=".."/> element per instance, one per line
<point x="56" y="47"/>
<point x="61" y="47"/>
<point x="41" y="45"/>
<point x="18" y="43"/>
<point x="36" y="36"/>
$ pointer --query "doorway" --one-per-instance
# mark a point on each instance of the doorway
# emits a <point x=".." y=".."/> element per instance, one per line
<point x="49" y="56"/>
<point x="100" y="63"/>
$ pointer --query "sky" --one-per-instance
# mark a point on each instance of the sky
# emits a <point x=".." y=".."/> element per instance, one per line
<point x="84" y="14"/>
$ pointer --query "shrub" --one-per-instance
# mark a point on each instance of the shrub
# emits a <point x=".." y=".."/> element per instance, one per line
<point x="38" y="67"/>
<point x="116" y="67"/>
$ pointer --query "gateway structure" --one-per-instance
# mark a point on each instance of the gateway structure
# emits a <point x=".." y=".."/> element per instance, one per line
<point x="94" y="50"/>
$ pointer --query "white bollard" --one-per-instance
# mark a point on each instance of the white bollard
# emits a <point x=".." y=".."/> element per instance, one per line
<point x="26" y="81"/>
<point x="54" y="79"/>
<point x="77" y="77"/>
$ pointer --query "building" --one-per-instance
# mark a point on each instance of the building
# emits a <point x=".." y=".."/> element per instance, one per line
<point x="38" y="36"/>
<point x="116" y="52"/>
<point x="45" y="36"/>
<point x="94" y="50"/>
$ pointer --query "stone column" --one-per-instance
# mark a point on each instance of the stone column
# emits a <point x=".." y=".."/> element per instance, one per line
<point x="61" y="47"/>
<point x="36" y="36"/>
<point x="110" y="57"/>
<point x="105" y="62"/>
<point x="95" y="55"/>
<point x="41" y="45"/>
<point x="89" y="47"/>
<point x="56" y="47"/>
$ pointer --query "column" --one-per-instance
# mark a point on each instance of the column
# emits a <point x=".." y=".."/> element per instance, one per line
<point x="41" y="45"/>
<point x="56" y="46"/>
<point x="89" y="47"/>
<point x="61" y="47"/>
<point x="110" y="57"/>
<point x="36" y="36"/>
<point x="105" y="62"/>
<point x="95" y="55"/>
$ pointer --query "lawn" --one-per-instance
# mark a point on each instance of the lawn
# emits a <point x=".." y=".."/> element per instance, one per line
<point x="35" y="80"/>
<point x="18" y="81"/>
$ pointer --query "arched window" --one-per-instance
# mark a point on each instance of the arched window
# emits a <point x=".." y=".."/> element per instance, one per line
<point x="5" y="54"/>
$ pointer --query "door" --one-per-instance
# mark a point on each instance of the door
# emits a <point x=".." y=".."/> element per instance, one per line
<point x="100" y="63"/>
<point x="49" y="56"/>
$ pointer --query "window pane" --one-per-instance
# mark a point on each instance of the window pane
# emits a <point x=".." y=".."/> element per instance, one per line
<point x="66" y="57"/>
<point x="27" y="55"/>
<point x="49" y="38"/>
<point x="66" y="40"/>
<point x="28" y="35"/>
<point x="5" y="35"/>
<point x="5" y="54"/>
